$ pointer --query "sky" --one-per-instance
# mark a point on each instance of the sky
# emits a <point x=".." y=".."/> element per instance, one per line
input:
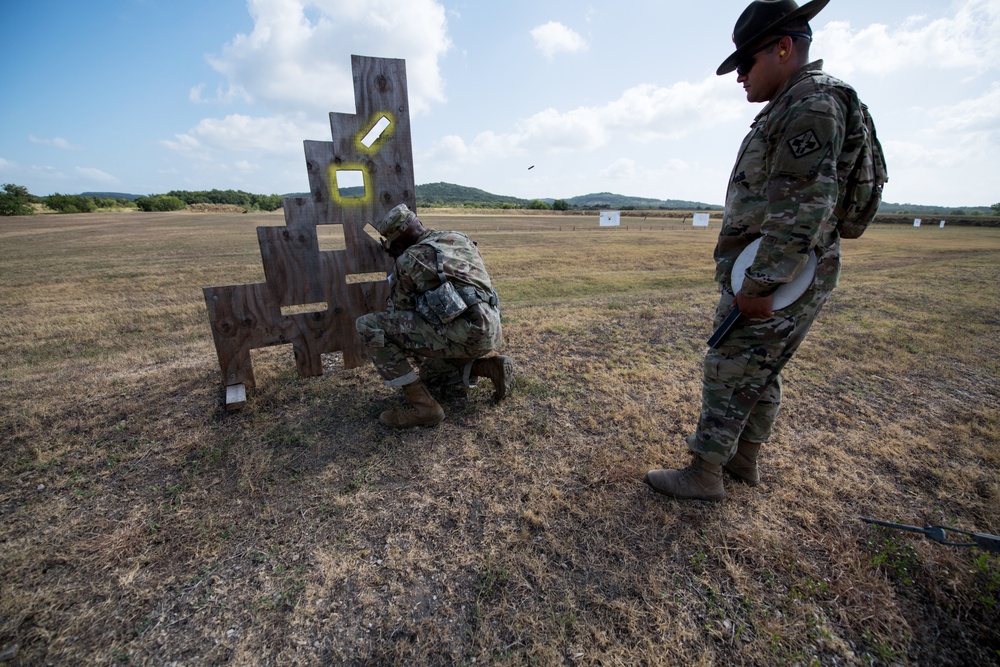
<point x="148" y="96"/>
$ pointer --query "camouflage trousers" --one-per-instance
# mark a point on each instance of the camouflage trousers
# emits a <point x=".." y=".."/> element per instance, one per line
<point x="393" y="337"/>
<point x="741" y="387"/>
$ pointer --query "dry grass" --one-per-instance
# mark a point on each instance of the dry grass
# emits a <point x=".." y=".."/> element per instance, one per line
<point x="142" y="524"/>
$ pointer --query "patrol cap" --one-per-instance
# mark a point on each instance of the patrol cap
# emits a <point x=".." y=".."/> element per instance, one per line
<point x="395" y="222"/>
<point x="769" y="17"/>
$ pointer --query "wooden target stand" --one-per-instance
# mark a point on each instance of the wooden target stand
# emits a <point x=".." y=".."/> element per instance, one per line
<point x="311" y="297"/>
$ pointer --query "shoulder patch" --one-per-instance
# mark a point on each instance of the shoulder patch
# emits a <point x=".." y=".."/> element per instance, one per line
<point x="804" y="144"/>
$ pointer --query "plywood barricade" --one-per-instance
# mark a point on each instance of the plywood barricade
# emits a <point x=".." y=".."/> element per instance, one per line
<point x="331" y="288"/>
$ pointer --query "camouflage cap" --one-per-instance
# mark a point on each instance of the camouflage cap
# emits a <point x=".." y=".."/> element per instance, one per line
<point x="395" y="222"/>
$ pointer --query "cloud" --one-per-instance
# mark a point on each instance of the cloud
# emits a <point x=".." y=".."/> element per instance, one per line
<point x="977" y="118"/>
<point x="228" y="95"/>
<point x="968" y="40"/>
<point x="238" y="133"/>
<point x="553" y="37"/>
<point x="296" y="56"/>
<point x="93" y="175"/>
<point x="642" y="114"/>
<point x="55" y="142"/>
<point x="627" y="169"/>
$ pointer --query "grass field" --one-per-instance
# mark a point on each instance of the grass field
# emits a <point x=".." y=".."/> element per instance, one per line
<point x="140" y="523"/>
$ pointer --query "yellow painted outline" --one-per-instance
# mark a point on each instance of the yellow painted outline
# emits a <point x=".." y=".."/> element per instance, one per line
<point x="332" y="170"/>
<point x="367" y="197"/>
<point x="386" y="133"/>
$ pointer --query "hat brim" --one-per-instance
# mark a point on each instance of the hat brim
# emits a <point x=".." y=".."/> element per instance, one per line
<point x="804" y="13"/>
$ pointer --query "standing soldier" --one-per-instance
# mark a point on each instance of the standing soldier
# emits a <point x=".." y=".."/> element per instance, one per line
<point x="790" y="175"/>
<point x="443" y="309"/>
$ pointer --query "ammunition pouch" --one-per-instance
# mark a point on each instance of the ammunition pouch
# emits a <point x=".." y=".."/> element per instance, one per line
<point x="443" y="304"/>
<point x="446" y="302"/>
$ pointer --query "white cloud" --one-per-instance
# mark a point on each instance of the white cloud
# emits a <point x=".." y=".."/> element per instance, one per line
<point x="628" y="170"/>
<point x="228" y="95"/>
<point x="93" y="175"/>
<point x="970" y="39"/>
<point x="239" y="133"/>
<point x="553" y="37"/>
<point x="7" y="165"/>
<point x="977" y="118"/>
<point x="643" y="114"/>
<point x="55" y="142"/>
<point x="295" y="59"/>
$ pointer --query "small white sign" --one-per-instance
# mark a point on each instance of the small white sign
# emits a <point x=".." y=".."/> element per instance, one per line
<point x="700" y="220"/>
<point x="610" y="218"/>
<point x="942" y="224"/>
<point x="916" y="222"/>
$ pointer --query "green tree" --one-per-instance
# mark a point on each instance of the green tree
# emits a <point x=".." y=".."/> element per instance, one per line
<point x="560" y="205"/>
<point x="15" y="200"/>
<point x="160" y="203"/>
<point x="996" y="209"/>
<point x="538" y="204"/>
<point x="70" y="203"/>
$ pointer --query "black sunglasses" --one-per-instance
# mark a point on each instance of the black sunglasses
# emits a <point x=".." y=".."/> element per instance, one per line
<point x="749" y="60"/>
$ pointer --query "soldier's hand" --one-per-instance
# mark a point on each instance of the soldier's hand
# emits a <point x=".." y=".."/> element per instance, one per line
<point x="755" y="308"/>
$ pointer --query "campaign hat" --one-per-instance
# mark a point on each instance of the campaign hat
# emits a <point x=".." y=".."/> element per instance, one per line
<point x="768" y="17"/>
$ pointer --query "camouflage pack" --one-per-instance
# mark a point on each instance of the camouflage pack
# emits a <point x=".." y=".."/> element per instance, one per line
<point x="863" y="190"/>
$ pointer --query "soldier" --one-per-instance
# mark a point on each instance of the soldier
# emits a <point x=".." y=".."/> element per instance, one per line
<point x="441" y="308"/>
<point x="789" y="177"/>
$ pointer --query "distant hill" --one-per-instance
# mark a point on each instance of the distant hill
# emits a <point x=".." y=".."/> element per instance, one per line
<point x="610" y="200"/>
<point x="887" y="207"/>
<point x="449" y="194"/>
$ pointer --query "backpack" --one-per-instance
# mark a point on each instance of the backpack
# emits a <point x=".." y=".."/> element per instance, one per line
<point x="863" y="190"/>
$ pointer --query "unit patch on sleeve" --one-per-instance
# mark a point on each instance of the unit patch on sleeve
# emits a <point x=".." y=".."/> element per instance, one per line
<point x="804" y="144"/>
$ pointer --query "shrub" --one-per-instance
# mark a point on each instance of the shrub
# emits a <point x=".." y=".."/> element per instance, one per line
<point x="15" y="200"/>
<point x="160" y="203"/>
<point x="70" y="203"/>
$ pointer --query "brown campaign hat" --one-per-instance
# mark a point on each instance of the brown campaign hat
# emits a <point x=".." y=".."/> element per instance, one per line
<point x="766" y="17"/>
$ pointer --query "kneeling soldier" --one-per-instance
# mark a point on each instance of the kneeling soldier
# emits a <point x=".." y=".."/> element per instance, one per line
<point x="442" y="309"/>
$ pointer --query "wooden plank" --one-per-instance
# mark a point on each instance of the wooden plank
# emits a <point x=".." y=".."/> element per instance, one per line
<point x="236" y="396"/>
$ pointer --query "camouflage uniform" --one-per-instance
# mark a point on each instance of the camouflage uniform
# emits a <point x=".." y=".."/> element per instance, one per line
<point x="401" y="331"/>
<point x="788" y="178"/>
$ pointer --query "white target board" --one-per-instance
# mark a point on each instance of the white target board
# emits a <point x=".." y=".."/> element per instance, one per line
<point x="610" y="218"/>
<point x="916" y="222"/>
<point x="700" y="220"/>
<point x="942" y="224"/>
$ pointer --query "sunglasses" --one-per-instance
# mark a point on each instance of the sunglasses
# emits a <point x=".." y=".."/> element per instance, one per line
<point x="749" y="60"/>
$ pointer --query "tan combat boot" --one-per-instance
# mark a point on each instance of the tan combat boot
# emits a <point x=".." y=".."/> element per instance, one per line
<point x="699" y="481"/>
<point x="500" y="371"/>
<point x="743" y="465"/>
<point x="422" y="410"/>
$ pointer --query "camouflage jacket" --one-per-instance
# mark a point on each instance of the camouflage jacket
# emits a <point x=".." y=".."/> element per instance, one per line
<point x="788" y="178"/>
<point x="417" y="269"/>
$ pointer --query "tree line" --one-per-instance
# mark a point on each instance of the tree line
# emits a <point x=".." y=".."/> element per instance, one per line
<point x="16" y="200"/>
